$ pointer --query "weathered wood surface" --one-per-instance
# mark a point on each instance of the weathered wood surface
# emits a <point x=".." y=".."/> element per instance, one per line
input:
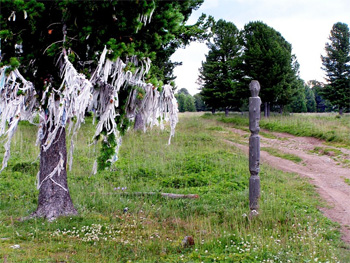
<point x="168" y="195"/>
<point x="254" y="145"/>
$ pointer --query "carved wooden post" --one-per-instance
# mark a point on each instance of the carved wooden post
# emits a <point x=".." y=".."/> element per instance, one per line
<point x="254" y="146"/>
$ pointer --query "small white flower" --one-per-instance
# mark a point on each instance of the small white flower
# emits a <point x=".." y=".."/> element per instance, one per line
<point x="15" y="246"/>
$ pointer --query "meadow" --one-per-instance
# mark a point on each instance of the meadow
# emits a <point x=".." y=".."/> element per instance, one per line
<point x="330" y="127"/>
<point x="289" y="227"/>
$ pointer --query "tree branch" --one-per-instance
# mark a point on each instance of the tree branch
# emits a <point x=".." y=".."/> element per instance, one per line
<point x="167" y="195"/>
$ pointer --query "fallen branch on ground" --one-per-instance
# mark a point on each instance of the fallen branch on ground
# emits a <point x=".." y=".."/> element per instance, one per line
<point x="168" y="195"/>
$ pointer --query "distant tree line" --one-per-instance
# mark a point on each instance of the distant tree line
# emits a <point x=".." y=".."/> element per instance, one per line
<point x="306" y="99"/>
<point x="187" y="102"/>
<point x="259" y="52"/>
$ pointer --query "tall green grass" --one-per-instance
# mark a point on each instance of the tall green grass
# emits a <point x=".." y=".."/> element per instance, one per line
<point x="328" y="127"/>
<point x="277" y="153"/>
<point x="289" y="228"/>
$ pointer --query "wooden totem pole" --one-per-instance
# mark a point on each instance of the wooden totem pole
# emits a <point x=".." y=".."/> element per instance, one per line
<point x="254" y="147"/>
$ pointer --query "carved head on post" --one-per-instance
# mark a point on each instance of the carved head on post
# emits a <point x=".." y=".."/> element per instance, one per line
<point x="254" y="88"/>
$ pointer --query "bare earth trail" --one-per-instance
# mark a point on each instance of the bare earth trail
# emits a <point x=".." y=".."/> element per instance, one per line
<point x="325" y="173"/>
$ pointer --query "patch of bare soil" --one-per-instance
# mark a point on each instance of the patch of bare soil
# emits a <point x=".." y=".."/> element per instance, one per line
<point x="324" y="172"/>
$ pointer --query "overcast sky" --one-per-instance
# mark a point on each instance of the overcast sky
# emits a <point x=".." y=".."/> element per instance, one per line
<point x="306" y="24"/>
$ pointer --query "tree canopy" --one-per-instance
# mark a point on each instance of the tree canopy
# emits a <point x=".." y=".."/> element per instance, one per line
<point x="336" y="63"/>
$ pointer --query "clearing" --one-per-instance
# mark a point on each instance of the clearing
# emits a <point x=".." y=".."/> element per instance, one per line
<point x="326" y="166"/>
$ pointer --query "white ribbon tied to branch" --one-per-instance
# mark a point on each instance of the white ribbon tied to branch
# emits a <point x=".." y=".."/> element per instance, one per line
<point x="76" y="95"/>
<point x="17" y="102"/>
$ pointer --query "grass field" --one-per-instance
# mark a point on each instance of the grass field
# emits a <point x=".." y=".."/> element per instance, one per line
<point x="289" y="228"/>
<point x="326" y="126"/>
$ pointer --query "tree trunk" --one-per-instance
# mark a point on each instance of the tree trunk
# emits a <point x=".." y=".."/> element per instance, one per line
<point x="213" y="111"/>
<point x="281" y="109"/>
<point x="265" y="109"/>
<point x="54" y="198"/>
<point x="268" y="109"/>
<point x="226" y="112"/>
<point x="340" y="111"/>
<point x="139" y="122"/>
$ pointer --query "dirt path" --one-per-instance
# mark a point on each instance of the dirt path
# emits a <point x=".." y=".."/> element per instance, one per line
<point x="325" y="173"/>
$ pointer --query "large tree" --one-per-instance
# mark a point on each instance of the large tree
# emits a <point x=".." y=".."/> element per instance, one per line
<point x="62" y="58"/>
<point x="336" y="63"/>
<point x="220" y="72"/>
<point x="268" y="58"/>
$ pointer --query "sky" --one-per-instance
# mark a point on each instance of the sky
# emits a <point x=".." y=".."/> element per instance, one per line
<point x="305" y="24"/>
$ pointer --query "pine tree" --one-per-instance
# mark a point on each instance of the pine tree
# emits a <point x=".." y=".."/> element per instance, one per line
<point x="60" y="58"/>
<point x="268" y="59"/>
<point x="336" y="63"/>
<point x="220" y="72"/>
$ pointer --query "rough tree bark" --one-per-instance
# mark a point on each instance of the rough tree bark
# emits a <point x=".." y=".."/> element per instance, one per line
<point x="54" y="198"/>
<point x="139" y="122"/>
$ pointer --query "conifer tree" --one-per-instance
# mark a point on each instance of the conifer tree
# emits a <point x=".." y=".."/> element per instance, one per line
<point x="268" y="59"/>
<point x="220" y="72"/>
<point x="336" y="63"/>
<point x="62" y="58"/>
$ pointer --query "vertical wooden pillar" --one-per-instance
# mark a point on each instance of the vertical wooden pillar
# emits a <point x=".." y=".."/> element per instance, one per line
<point x="254" y="145"/>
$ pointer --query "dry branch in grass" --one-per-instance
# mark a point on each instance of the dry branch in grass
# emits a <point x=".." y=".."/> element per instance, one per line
<point x="168" y="195"/>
